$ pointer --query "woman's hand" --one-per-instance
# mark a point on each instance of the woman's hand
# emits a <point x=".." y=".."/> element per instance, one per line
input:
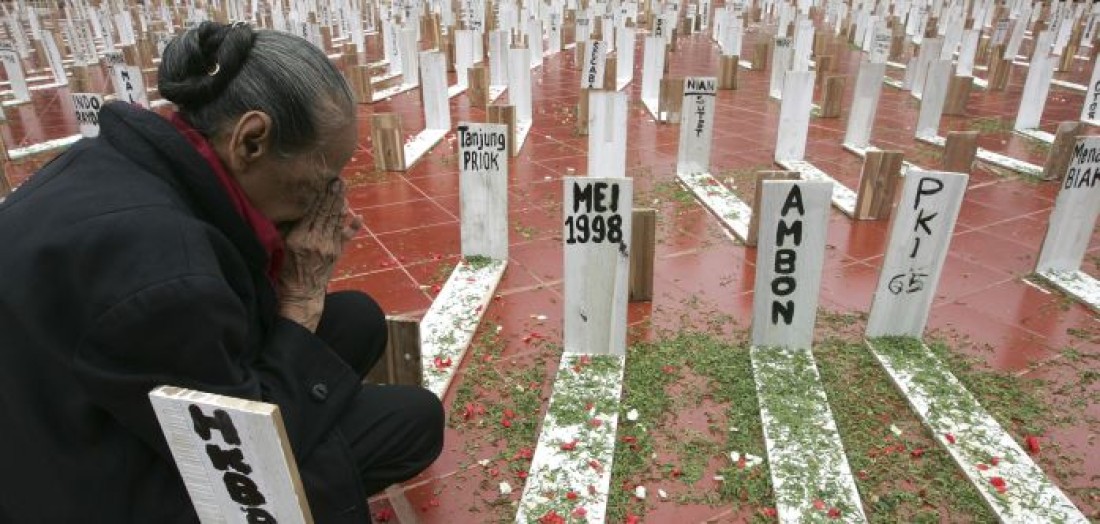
<point x="312" y="247"/>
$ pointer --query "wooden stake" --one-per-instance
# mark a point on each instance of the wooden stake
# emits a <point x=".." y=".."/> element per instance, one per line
<point x="878" y="185"/>
<point x="477" y="90"/>
<point x="582" y="112"/>
<point x="959" y="151"/>
<point x="833" y="93"/>
<point x="999" y="68"/>
<point x="823" y="67"/>
<point x="388" y="141"/>
<point x="1068" y="57"/>
<point x="400" y="365"/>
<point x="754" y="219"/>
<point x="958" y="93"/>
<point x="5" y="182"/>
<point x="500" y="114"/>
<point x="1061" y="151"/>
<point x="761" y="55"/>
<point x="361" y="83"/>
<point x="610" y="81"/>
<point x="643" y="246"/>
<point x="727" y="71"/>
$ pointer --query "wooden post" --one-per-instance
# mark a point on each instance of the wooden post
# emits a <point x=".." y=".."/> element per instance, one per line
<point x="582" y="112"/>
<point x="477" y="90"/>
<point x="498" y="114"/>
<point x="610" y="70"/>
<point x="754" y="218"/>
<point x="5" y="182"/>
<point x="958" y="93"/>
<point x="400" y="365"/>
<point x="959" y="151"/>
<point x="878" y="184"/>
<point x="1061" y="151"/>
<point x="999" y="68"/>
<point x="447" y="46"/>
<point x="727" y="71"/>
<point x="833" y="94"/>
<point x="361" y="83"/>
<point x="761" y="55"/>
<point x="823" y="67"/>
<point x="670" y="99"/>
<point x="1068" y="57"/>
<point x="81" y="81"/>
<point x="388" y="141"/>
<point x="643" y="247"/>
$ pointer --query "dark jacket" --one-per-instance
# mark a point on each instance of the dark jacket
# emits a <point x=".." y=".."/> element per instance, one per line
<point x="124" y="266"/>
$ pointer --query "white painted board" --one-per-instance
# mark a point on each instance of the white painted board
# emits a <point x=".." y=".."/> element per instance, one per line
<point x="794" y="217"/>
<point x="861" y="116"/>
<point x="607" y="133"/>
<point x="596" y="233"/>
<point x="483" y="189"/>
<point x="87" y="106"/>
<point x="233" y="455"/>
<point x="919" y="238"/>
<point x="1075" y="210"/>
<point x="696" y="124"/>
<point x="794" y="115"/>
<point x="595" y="63"/>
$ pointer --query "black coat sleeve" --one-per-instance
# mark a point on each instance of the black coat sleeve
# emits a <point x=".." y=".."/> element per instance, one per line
<point x="192" y="332"/>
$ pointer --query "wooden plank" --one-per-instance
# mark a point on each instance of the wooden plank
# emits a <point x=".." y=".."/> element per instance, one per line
<point x="727" y="71"/>
<point x="670" y="100"/>
<point x="823" y="66"/>
<point x="919" y="237"/>
<point x="878" y="185"/>
<point x="1061" y="151"/>
<point x="401" y="362"/>
<point x="1075" y="210"/>
<point x="387" y="140"/>
<point x="596" y="229"/>
<point x="959" y="151"/>
<point x="477" y="91"/>
<point x="499" y="114"/>
<point x="761" y="55"/>
<point x="361" y="84"/>
<point x="643" y="242"/>
<point x="5" y="182"/>
<point x="832" y="96"/>
<point x="483" y="189"/>
<point x="958" y="93"/>
<point x="754" y="218"/>
<point x="696" y="124"/>
<point x="233" y="455"/>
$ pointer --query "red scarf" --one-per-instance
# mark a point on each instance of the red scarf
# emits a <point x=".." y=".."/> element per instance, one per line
<point x="264" y="229"/>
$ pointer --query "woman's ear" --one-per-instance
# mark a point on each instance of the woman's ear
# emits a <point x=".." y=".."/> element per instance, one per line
<point x="249" y="141"/>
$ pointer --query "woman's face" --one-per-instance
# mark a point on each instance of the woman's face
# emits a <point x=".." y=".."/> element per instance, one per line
<point x="283" y="188"/>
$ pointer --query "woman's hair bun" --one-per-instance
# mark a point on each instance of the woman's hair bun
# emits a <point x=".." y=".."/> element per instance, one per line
<point x="198" y="65"/>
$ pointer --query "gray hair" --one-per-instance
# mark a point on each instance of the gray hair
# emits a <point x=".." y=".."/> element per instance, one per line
<point x="215" y="73"/>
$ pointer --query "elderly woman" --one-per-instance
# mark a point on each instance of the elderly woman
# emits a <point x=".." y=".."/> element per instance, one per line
<point x="195" y="251"/>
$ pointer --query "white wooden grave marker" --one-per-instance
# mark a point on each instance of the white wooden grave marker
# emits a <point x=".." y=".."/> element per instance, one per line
<point x="13" y="66"/>
<point x="607" y="133"/>
<point x="919" y="241"/>
<point x="465" y="58"/>
<point x="87" y="107"/>
<point x="596" y="232"/>
<point x="233" y="455"/>
<point x="693" y="160"/>
<point x="437" y="109"/>
<point x="861" y="116"/>
<point x="1072" y="223"/>
<point x="1089" y="110"/>
<point x="449" y="325"/>
<point x="653" y="68"/>
<point x="498" y="63"/>
<point x="595" y="63"/>
<point x="920" y="234"/>
<point x="790" y="258"/>
<point x="1036" y="88"/>
<point x="781" y="64"/>
<point x="933" y="97"/>
<point x="624" y="65"/>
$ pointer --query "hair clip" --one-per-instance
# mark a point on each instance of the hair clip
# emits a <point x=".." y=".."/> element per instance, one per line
<point x="214" y="71"/>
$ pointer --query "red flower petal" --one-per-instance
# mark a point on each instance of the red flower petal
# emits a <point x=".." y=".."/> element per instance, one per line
<point x="580" y="512"/>
<point x="741" y="462"/>
<point x="916" y="453"/>
<point x="950" y="438"/>
<point x="505" y="422"/>
<point x="569" y="446"/>
<point x="572" y="495"/>
<point x="769" y="512"/>
<point x="997" y="481"/>
<point x="629" y="439"/>
<point x="591" y="489"/>
<point x="819" y="504"/>
<point x="834" y="513"/>
<point x="1033" y="444"/>
<point x="522" y="474"/>
<point x="436" y="288"/>
<point x="994" y="460"/>
<point x="595" y="422"/>
<point x="595" y="464"/>
<point x="509" y="413"/>
<point x="982" y="467"/>
<point x="631" y="519"/>
<point x="585" y="360"/>
<point x="525" y="453"/>
<point x="862" y="474"/>
<point x="494" y="472"/>
<point x="551" y="518"/>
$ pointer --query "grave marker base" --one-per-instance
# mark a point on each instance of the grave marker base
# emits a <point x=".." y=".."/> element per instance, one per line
<point x="1036" y="134"/>
<point x="810" y="431"/>
<point x="584" y="465"/>
<point x="947" y="408"/>
<point x="843" y="198"/>
<point x="643" y="247"/>
<point x="990" y="157"/>
<point x="449" y="325"/>
<point x="401" y="362"/>
<point x="1078" y="284"/>
<point x="733" y="213"/>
